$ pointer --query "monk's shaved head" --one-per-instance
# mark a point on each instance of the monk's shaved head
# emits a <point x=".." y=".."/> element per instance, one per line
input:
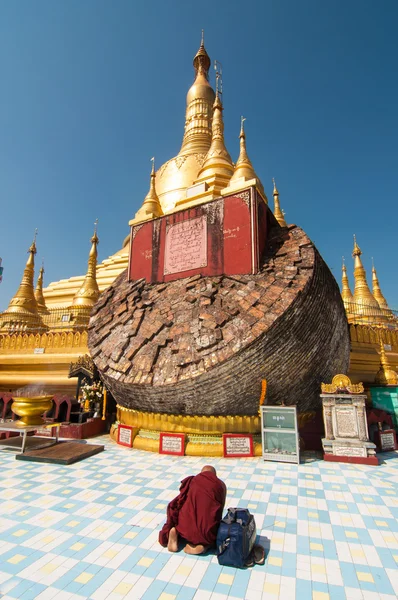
<point x="209" y="468"/>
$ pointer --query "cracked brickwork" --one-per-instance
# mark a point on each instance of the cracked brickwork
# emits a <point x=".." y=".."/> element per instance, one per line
<point x="201" y="345"/>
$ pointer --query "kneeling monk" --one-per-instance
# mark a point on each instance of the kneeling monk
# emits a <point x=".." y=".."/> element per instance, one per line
<point x="196" y="512"/>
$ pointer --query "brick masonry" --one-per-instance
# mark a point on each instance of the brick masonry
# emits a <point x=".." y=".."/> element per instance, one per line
<point x="201" y="345"/>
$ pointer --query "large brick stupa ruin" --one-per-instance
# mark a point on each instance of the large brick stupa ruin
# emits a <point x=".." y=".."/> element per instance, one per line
<point x="220" y="294"/>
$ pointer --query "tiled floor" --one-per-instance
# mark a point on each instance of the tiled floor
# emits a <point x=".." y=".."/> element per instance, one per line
<point x="90" y="530"/>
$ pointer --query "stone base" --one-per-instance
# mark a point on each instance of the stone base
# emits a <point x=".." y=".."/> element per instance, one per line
<point x="358" y="460"/>
<point x="350" y="451"/>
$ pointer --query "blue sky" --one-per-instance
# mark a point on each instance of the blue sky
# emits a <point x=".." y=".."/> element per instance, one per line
<point x="92" y="89"/>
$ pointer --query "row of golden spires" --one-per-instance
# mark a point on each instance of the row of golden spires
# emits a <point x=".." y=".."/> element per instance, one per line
<point x="363" y="302"/>
<point x="28" y="306"/>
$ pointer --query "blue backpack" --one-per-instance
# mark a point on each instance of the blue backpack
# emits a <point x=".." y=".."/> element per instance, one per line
<point x="236" y="537"/>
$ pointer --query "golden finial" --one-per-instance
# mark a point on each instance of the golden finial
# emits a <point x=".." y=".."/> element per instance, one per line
<point x="278" y="213"/>
<point x="201" y="61"/>
<point x="386" y="374"/>
<point x="377" y="293"/>
<point x="151" y="208"/>
<point x="357" y="251"/>
<point x="89" y="292"/>
<point x="363" y="297"/>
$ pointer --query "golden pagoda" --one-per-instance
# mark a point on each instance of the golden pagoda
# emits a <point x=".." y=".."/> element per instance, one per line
<point x="376" y="289"/>
<point x="41" y="303"/>
<point x="22" y="312"/>
<point x="88" y="294"/>
<point x="218" y="168"/>
<point x="151" y="207"/>
<point x="346" y="293"/>
<point x="278" y="213"/>
<point x="366" y="304"/>
<point x="191" y="177"/>
<point x="244" y="170"/>
<point x="179" y="173"/>
<point x="386" y="374"/>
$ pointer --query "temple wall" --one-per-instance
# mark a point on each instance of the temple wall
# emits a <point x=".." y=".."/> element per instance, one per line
<point x="40" y="359"/>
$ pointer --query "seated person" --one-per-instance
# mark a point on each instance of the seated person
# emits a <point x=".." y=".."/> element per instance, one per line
<point x="195" y="514"/>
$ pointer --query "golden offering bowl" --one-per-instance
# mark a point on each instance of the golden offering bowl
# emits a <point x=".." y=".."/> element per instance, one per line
<point x="31" y="409"/>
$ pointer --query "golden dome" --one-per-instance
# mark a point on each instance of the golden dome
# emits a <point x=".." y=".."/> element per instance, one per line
<point x="177" y="174"/>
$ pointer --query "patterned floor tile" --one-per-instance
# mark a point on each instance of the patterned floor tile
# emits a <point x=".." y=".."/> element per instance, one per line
<point x="89" y="531"/>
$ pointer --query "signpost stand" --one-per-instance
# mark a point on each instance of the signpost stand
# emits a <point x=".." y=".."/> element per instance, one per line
<point x="279" y="433"/>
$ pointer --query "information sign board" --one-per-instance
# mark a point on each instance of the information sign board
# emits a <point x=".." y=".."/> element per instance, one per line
<point x="172" y="443"/>
<point x="126" y="435"/>
<point x="237" y="445"/>
<point x="387" y="440"/>
<point x="279" y="433"/>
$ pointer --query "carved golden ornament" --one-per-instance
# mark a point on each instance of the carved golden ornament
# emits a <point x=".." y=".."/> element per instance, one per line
<point x="84" y="363"/>
<point x="342" y="383"/>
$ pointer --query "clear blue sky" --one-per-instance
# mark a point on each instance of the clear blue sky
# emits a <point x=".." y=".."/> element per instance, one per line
<point x="90" y="90"/>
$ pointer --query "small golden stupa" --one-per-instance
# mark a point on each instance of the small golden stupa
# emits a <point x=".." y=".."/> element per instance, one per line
<point x="278" y="213"/>
<point x="41" y="303"/>
<point x="386" y="374"/>
<point x="89" y="293"/>
<point x="23" y="310"/>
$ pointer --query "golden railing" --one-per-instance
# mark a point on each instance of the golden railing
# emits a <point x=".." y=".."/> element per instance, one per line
<point x="61" y="318"/>
<point x="362" y="314"/>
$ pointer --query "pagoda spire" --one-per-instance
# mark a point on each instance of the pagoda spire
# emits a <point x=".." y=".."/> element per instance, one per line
<point x="362" y="294"/>
<point x="218" y="167"/>
<point x="23" y="309"/>
<point x="386" y="374"/>
<point x="376" y="289"/>
<point x="151" y="208"/>
<point x="41" y="303"/>
<point x="88" y="294"/>
<point x="278" y="214"/>
<point x="243" y="168"/>
<point x="199" y="111"/>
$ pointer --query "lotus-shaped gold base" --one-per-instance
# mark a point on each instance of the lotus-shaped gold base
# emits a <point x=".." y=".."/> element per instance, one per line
<point x="31" y="409"/>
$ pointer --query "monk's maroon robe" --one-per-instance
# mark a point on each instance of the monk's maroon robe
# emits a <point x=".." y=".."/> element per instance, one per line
<point x="197" y="510"/>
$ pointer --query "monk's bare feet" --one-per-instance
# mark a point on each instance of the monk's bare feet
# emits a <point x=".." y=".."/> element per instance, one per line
<point x="172" y="544"/>
<point x="195" y="549"/>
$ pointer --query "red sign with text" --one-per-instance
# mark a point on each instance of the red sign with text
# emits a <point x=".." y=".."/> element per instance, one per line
<point x="125" y="435"/>
<point x="237" y="445"/>
<point x="172" y="443"/>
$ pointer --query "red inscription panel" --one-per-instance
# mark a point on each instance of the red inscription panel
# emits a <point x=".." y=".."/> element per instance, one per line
<point x="237" y="236"/>
<point x="186" y="245"/>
